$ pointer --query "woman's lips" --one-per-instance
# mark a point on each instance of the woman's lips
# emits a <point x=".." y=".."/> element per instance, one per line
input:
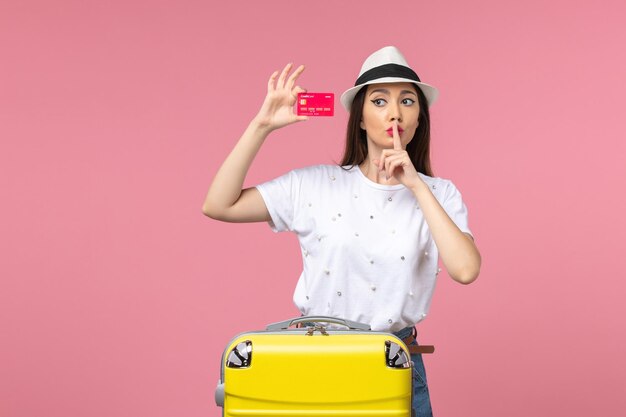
<point x="390" y="131"/>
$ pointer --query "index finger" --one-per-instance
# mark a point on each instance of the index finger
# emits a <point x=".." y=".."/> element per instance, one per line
<point x="397" y="144"/>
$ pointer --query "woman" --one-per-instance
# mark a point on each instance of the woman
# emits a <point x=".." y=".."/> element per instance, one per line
<point x="371" y="230"/>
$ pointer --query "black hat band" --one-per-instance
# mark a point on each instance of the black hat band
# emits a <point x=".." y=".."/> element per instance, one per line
<point x="387" y="70"/>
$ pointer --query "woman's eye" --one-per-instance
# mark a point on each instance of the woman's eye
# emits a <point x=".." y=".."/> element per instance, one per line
<point x="379" y="102"/>
<point x="408" y="101"/>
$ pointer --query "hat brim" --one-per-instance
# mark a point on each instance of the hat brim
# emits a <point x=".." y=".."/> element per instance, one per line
<point x="430" y="92"/>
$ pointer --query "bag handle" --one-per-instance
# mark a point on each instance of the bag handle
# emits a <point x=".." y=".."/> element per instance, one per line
<point x="284" y="325"/>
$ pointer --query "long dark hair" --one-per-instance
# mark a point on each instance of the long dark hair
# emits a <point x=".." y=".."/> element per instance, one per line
<point x="356" y="139"/>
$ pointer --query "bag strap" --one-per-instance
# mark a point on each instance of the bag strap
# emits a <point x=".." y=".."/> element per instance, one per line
<point x="417" y="348"/>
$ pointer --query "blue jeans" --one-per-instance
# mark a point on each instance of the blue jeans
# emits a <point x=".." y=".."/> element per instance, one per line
<point x="421" y="397"/>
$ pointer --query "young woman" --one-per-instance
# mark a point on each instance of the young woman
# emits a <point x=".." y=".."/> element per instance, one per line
<point x="371" y="230"/>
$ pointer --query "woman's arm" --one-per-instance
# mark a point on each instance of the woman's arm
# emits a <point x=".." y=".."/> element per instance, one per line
<point x="458" y="252"/>
<point x="226" y="200"/>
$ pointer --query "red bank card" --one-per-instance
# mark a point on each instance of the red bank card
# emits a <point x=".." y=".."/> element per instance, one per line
<point x="315" y="104"/>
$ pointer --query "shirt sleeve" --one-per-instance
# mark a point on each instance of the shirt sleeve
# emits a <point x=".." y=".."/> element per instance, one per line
<point x="456" y="209"/>
<point x="280" y="195"/>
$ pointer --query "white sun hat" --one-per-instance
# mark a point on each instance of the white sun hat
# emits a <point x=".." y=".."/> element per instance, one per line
<point x="387" y="65"/>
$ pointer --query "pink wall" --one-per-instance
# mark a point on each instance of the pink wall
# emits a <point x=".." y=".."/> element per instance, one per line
<point x="117" y="296"/>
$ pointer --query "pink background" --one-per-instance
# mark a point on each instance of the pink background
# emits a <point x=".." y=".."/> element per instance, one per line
<point x="118" y="296"/>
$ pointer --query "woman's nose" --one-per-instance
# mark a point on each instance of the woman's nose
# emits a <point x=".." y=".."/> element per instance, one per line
<point x="395" y="113"/>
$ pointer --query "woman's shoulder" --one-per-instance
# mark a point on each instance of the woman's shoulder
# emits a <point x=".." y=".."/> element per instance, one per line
<point x="442" y="185"/>
<point x="323" y="170"/>
<point x="433" y="180"/>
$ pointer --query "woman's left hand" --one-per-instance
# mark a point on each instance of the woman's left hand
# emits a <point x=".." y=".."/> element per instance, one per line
<point x="396" y="163"/>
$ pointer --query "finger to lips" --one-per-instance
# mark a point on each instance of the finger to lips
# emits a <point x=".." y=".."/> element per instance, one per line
<point x="397" y="144"/>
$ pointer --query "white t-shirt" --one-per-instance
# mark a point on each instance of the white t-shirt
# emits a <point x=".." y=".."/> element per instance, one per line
<point x="367" y="251"/>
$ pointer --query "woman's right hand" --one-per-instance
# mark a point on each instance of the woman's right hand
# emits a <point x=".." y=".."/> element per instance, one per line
<point x="277" y="109"/>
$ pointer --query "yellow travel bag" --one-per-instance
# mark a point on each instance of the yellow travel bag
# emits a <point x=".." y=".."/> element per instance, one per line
<point x="315" y="370"/>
